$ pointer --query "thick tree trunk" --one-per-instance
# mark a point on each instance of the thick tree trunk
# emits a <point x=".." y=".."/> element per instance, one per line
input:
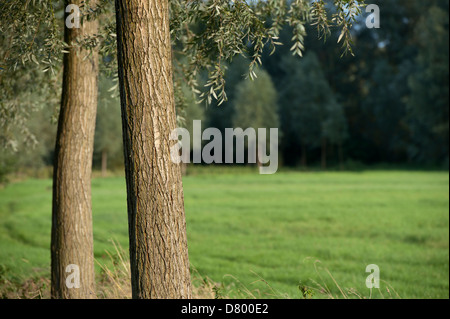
<point x="72" y="239"/>
<point x="158" y="245"/>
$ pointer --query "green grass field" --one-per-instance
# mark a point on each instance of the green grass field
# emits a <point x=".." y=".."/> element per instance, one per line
<point x="243" y="227"/>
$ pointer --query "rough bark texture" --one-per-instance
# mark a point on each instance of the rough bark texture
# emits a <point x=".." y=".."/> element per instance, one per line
<point x="158" y="245"/>
<point x="72" y="239"/>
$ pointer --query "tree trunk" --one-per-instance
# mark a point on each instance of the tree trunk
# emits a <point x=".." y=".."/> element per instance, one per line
<point x="304" y="157"/>
<point x="72" y="239"/>
<point x="157" y="227"/>
<point x="341" y="156"/>
<point x="324" y="153"/>
<point x="104" y="163"/>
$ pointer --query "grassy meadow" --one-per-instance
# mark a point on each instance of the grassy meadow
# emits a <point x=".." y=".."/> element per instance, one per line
<point x="264" y="236"/>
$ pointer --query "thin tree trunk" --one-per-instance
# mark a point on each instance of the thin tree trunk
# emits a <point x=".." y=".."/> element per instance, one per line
<point x="324" y="153"/>
<point x="157" y="227"/>
<point x="104" y="163"/>
<point x="72" y="239"/>
<point x="341" y="156"/>
<point x="304" y="156"/>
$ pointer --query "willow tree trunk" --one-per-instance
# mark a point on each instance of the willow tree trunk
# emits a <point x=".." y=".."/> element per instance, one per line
<point x="157" y="228"/>
<point x="72" y="239"/>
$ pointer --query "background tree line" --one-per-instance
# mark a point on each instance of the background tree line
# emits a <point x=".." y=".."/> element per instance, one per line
<point x="386" y="104"/>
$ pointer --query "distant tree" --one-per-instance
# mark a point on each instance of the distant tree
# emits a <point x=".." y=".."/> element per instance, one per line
<point x="256" y="104"/>
<point x="300" y="117"/>
<point x="334" y="130"/>
<point x="428" y="105"/>
<point x="376" y="90"/>
<point x="310" y="112"/>
<point x="108" y="130"/>
<point x="34" y="148"/>
<point x="41" y="124"/>
<point x="221" y="117"/>
<point x="376" y="105"/>
<point x="189" y="111"/>
<point x="384" y="108"/>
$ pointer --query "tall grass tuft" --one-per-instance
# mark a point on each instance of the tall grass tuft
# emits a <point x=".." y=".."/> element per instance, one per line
<point x="114" y="283"/>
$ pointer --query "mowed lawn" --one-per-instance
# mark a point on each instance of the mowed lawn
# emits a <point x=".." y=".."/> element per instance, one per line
<point x="264" y="234"/>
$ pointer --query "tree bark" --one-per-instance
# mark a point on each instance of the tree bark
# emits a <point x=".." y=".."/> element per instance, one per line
<point x="72" y="238"/>
<point x="157" y="227"/>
